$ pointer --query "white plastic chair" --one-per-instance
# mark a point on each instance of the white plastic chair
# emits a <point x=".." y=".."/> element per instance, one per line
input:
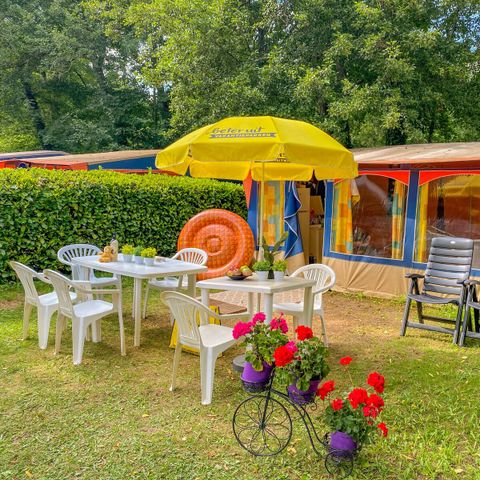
<point x="210" y="339"/>
<point x="324" y="277"/>
<point x="47" y="304"/>
<point x="65" y="255"/>
<point x="83" y="313"/>
<point x="190" y="255"/>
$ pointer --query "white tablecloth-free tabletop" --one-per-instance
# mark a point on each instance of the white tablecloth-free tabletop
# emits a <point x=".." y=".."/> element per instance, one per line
<point x="167" y="267"/>
<point x="253" y="286"/>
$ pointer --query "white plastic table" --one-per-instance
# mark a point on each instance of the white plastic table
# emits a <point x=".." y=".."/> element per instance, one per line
<point x="252" y="286"/>
<point x="167" y="267"/>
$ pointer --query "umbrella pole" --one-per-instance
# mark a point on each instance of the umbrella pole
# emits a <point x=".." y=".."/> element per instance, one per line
<point x="262" y="213"/>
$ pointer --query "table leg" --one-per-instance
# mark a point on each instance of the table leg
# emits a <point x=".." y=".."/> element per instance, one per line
<point x="192" y="285"/>
<point x="137" y="309"/>
<point x="268" y="305"/>
<point x="205" y="296"/>
<point x="251" y="303"/>
<point x="308" y="306"/>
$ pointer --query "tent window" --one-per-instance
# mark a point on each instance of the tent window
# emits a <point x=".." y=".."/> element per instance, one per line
<point x="369" y="217"/>
<point x="448" y="206"/>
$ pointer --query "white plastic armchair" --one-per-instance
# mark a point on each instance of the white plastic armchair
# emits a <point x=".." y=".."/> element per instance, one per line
<point x="190" y="255"/>
<point x="83" y="313"/>
<point x="65" y="255"/>
<point x="210" y="339"/>
<point x="324" y="277"/>
<point x="46" y="304"/>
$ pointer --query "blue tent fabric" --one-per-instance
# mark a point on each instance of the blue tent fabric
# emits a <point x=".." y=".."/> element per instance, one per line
<point x="293" y="245"/>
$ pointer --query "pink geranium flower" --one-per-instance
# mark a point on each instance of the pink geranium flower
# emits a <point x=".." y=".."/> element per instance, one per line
<point x="258" y="317"/>
<point x="241" y="329"/>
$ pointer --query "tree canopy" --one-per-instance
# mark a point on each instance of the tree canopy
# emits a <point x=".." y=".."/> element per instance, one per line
<point x="108" y="74"/>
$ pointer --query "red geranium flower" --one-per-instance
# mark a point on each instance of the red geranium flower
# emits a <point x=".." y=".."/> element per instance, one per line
<point x="337" y="404"/>
<point x="383" y="428"/>
<point x="369" y="411"/>
<point x="375" y="401"/>
<point x="358" y="396"/>
<point x="325" y="389"/>
<point x="283" y="356"/>
<point x="304" y="333"/>
<point x="345" y="361"/>
<point x="241" y="329"/>
<point x="377" y="381"/>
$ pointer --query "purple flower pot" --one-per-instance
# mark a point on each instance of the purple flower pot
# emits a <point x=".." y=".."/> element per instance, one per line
<point x="254" y="380"/>
<point x="342" y="444"/>
<point x="302" y="397"/>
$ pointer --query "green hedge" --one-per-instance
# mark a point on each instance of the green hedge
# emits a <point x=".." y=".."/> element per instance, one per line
<point x="43" y="210"/>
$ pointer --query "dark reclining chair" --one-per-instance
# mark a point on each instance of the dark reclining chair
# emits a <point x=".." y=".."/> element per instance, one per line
<point x="448" y="268"/>
<point x="471" y="330"/>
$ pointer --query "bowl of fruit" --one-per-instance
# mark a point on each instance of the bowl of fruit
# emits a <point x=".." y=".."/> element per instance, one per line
<point x="239" y="273"/>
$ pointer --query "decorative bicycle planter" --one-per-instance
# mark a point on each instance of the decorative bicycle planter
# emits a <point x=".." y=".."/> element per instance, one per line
<point x="262" y="425"/>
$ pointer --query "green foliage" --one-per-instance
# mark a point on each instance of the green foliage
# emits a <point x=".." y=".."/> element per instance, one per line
<point x="262" y="266"/>
<point x="279" y="266"/>
<point x="43" y="210"/>
<point x="269" y="254"/>
<point x="309" y="362"/>
<point x="137" y="251"/>
<point x="149" y="252"/>
<point x="128" y="249"/>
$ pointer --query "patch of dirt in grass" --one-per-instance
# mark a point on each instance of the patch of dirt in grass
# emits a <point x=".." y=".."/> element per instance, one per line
<point x="10" y="304"/>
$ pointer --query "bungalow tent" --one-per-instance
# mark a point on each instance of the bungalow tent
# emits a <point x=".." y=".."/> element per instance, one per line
<point x="380" y="225"/>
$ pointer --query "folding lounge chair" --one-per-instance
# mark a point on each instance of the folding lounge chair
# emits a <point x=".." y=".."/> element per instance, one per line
<point x="472" y="303"/>
<point x="448" y="266"/>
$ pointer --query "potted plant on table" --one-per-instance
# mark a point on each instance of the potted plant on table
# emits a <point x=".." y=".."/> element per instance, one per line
<point x="127" y="252"/>
<point x="270" y="254"/>
<point x="148" y="255"/>
<point x="262" y="268"/>
<point x="279" y="267"/>
<point x="302" y="365"/>
<point x="261" y="339"/>
<point x="137" y="252"/>
<point x="353" y="417"/>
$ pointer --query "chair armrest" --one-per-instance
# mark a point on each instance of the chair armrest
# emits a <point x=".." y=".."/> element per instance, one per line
<point x="414" y="276"/>
<point x="84" y="286"/>
<point x="41" y="276"/>
<point x="324" y="288"/>
<point x="469" y="282"/>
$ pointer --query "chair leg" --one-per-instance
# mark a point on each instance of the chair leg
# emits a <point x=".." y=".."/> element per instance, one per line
<point x="27" y="311"/>
<point x="420" y="312"/>
<point x="60" y="327"/>
<point x="176" y="362"/>
<point x="44" y="315"/>
<point x="123" y="349"/>
<point x="324" y="330"/>
<point x="144" y="312"/>
<point x="458" y="321"/>
<point x="96" y="331"/>
<point x="78" y="340"/>
<point x="207" y="374"/>
<point x="406" y="314"/>
<point x="466" y="323"/>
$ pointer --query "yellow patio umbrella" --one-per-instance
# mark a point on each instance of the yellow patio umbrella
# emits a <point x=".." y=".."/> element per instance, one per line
<point x="269" y="148"/>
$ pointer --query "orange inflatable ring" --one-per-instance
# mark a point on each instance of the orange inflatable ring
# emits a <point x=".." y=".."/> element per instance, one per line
<point x="224" y="235"/>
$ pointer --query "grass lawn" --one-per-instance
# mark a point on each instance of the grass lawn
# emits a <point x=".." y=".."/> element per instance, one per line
<point x="114" y="418"/>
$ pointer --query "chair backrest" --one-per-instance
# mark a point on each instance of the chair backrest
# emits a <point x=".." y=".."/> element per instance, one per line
<point x="26" y="276"/>
<point x="192" y="255"/>
<point x="65" y="255"/>
<point x="323" y="275"/>
<point x="449" y="261"/>
<point x="62" y="285"/>
<point x="186" y="311"/>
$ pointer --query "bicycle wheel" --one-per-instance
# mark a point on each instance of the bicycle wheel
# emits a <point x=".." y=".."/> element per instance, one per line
<point x="262" y="425"/>
<point x="339" y="463"/>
